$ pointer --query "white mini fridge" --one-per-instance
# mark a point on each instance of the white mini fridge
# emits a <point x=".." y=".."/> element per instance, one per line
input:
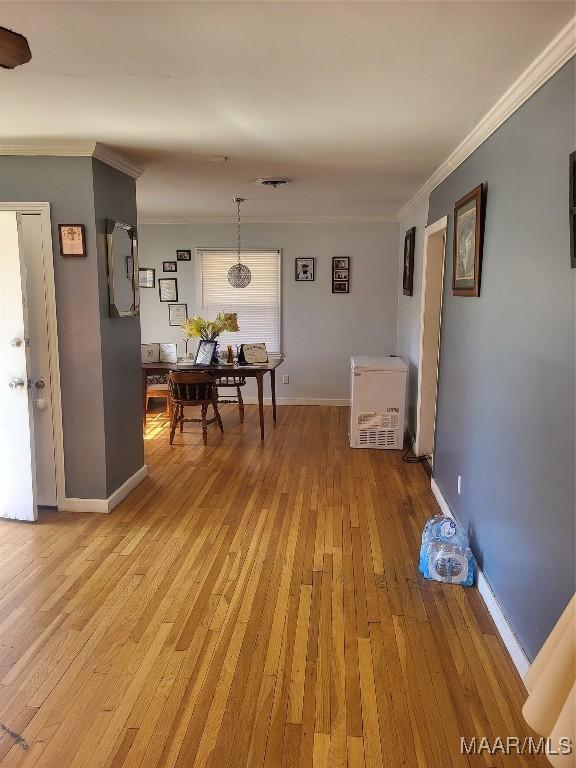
<point x="378" y="394"/>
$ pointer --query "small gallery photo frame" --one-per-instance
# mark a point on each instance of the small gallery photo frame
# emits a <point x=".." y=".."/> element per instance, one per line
<point x="72" y="239"/>
<point x="177" y="314"/>
<point x="170" y="266"/>
<point x="168" y="288"/>
<point x="146" y="277"/>
<point x="304" y="270"/>
<point x="168" y="353"/>
<point x="184" y="255"/>
<point x="408" y="273"/>
<point x="341" y="274"/>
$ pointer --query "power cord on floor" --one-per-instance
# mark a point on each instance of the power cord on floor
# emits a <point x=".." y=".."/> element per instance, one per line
<point x="413" y="459"/>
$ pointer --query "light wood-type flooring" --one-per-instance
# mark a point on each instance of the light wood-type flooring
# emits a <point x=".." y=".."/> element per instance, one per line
<point x="249" y="605"/>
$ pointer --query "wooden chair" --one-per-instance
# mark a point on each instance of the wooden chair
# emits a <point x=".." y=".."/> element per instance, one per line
<point x="235" y="382"/>
<point x="157" y="386"/>
<point x="193" y="388"/>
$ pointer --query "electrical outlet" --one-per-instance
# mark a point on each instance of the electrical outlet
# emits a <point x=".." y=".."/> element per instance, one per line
<point x="285" y="379"/>
<point x="459" y="484"/>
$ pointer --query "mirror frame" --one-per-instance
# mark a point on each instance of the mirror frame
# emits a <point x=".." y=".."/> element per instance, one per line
<point x="111" y="225"/>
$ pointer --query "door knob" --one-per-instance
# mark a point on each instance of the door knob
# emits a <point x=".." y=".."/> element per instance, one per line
<point x="16" y="383"/>
<point x="40" y="384"/>
<point x="16" y="342"/>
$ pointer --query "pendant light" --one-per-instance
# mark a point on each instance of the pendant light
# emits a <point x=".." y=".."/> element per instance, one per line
<point x="239" y="275"/>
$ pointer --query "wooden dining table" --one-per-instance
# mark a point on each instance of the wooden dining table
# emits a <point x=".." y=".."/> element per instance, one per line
<point x="256" y="371"/>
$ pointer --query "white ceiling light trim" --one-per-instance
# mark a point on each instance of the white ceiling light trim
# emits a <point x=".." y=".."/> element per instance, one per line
<point x="552" y="58"/>
<point x="72" y="149"/>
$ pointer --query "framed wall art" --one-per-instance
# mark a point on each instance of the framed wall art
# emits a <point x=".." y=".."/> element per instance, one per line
<point x="170" y="266"/>
<point x="146" y="277"/>
<point x="177" y="314"/>
<point x="184" y="255"/>
<point x="304" y="270"/>
<point x="72" y="239"/>
<point x="168" y="288"/>
<point x="468" y="241"/>
<point x="408" y="273"/>
<point x="341" y="274"/>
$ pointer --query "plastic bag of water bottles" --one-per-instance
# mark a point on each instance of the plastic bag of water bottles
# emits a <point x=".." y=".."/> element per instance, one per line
<point x="445" y="554"/>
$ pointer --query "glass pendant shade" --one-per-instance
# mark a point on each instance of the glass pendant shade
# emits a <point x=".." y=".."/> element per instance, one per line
<point x="239" y="275"/>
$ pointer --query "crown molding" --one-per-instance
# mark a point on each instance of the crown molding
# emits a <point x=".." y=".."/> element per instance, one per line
<point x="72" y="149"/>
<point x="143" y="219"/>
<point x="553" y="57"/>
<point x="114" y="159"/>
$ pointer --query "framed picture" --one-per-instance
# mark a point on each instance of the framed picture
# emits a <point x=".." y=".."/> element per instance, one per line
<point x="341" y="274"/>
<point x="168" y="289"/>
<point x="408" y="274"/>
<point x="170" y="266"/>
<point x="572" y="210"/>
<point x="150" y="353"/>
<point x="467" y="249"/>
<point x="205" y="352"/>
<point x="304" y="270"/>
<point x="341" y="262"/>
<point x="168" y="353"/>
<point x="177" y="314"/>
<point x="146" y="277"/>
<point x="184" y="255"/>
<point x="72" y="239"/>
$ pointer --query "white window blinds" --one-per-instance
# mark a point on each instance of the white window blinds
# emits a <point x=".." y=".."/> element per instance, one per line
<point x="257" y="305"/>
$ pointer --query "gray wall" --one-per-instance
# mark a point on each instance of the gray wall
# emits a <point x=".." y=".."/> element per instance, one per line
<point x="115" y="198"/>
<point x="506" y="390"/>
<point x="91" y="358"/>
<point x="320" y="331"/>
<point x="66" y="183"/>
<point x="408" y="334"/>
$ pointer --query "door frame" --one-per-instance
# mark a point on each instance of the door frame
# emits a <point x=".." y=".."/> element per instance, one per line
<point x="432" y="229"/>
<point x="43" y="210"/>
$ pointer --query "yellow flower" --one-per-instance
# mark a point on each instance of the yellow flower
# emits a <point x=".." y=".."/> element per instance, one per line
<point x="211" y="329"/>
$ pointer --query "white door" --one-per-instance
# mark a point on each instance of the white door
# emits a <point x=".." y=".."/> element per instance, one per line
<point x="36" y="288"/>
<point x="17" y="464"/>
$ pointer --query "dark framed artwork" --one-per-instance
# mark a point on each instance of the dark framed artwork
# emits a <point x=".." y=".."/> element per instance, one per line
<point x="168" y="288"/>
<point x="408" y="273"/>
<point x="468" y="241"/>
<point x="205" y="352"/>
<point x="72" y="239"/>
<point x="304" y="270"/>
<point x="572" y="210"/>
<point x="146" y="277"/>
<point x="170" y="266"/>
<point x="341" y="274"/>
<point x="184" y="255"/>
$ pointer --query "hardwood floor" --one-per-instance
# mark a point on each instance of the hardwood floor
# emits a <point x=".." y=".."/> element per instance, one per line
<point x="248" y="606"/>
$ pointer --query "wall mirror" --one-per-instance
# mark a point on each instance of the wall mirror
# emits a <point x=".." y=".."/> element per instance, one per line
<point x="123" y="293"/>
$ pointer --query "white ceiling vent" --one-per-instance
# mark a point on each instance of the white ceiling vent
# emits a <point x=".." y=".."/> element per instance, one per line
<point x="272" y="181"/>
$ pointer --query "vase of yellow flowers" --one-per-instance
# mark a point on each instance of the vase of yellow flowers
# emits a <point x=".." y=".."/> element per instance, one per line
<point x="210" y="329"/>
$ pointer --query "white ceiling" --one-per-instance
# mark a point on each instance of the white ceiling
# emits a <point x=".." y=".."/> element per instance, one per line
<point x="358" y="101"/>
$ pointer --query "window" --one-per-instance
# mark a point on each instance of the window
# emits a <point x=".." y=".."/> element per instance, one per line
<point x="257" y="305"/>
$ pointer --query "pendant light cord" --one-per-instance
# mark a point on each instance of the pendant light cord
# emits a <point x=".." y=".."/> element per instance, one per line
<point x="239" y="201"/>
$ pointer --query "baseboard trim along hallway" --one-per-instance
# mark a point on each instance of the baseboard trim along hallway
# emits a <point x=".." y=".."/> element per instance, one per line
<point x="509" y="639"/>
<point x="106" y="505"/>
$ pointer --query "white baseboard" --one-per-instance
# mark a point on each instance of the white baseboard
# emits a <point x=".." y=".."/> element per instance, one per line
<point x="105" y="505"/>
<point x="299" y="401"/>
<point x="506" y="632"/>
